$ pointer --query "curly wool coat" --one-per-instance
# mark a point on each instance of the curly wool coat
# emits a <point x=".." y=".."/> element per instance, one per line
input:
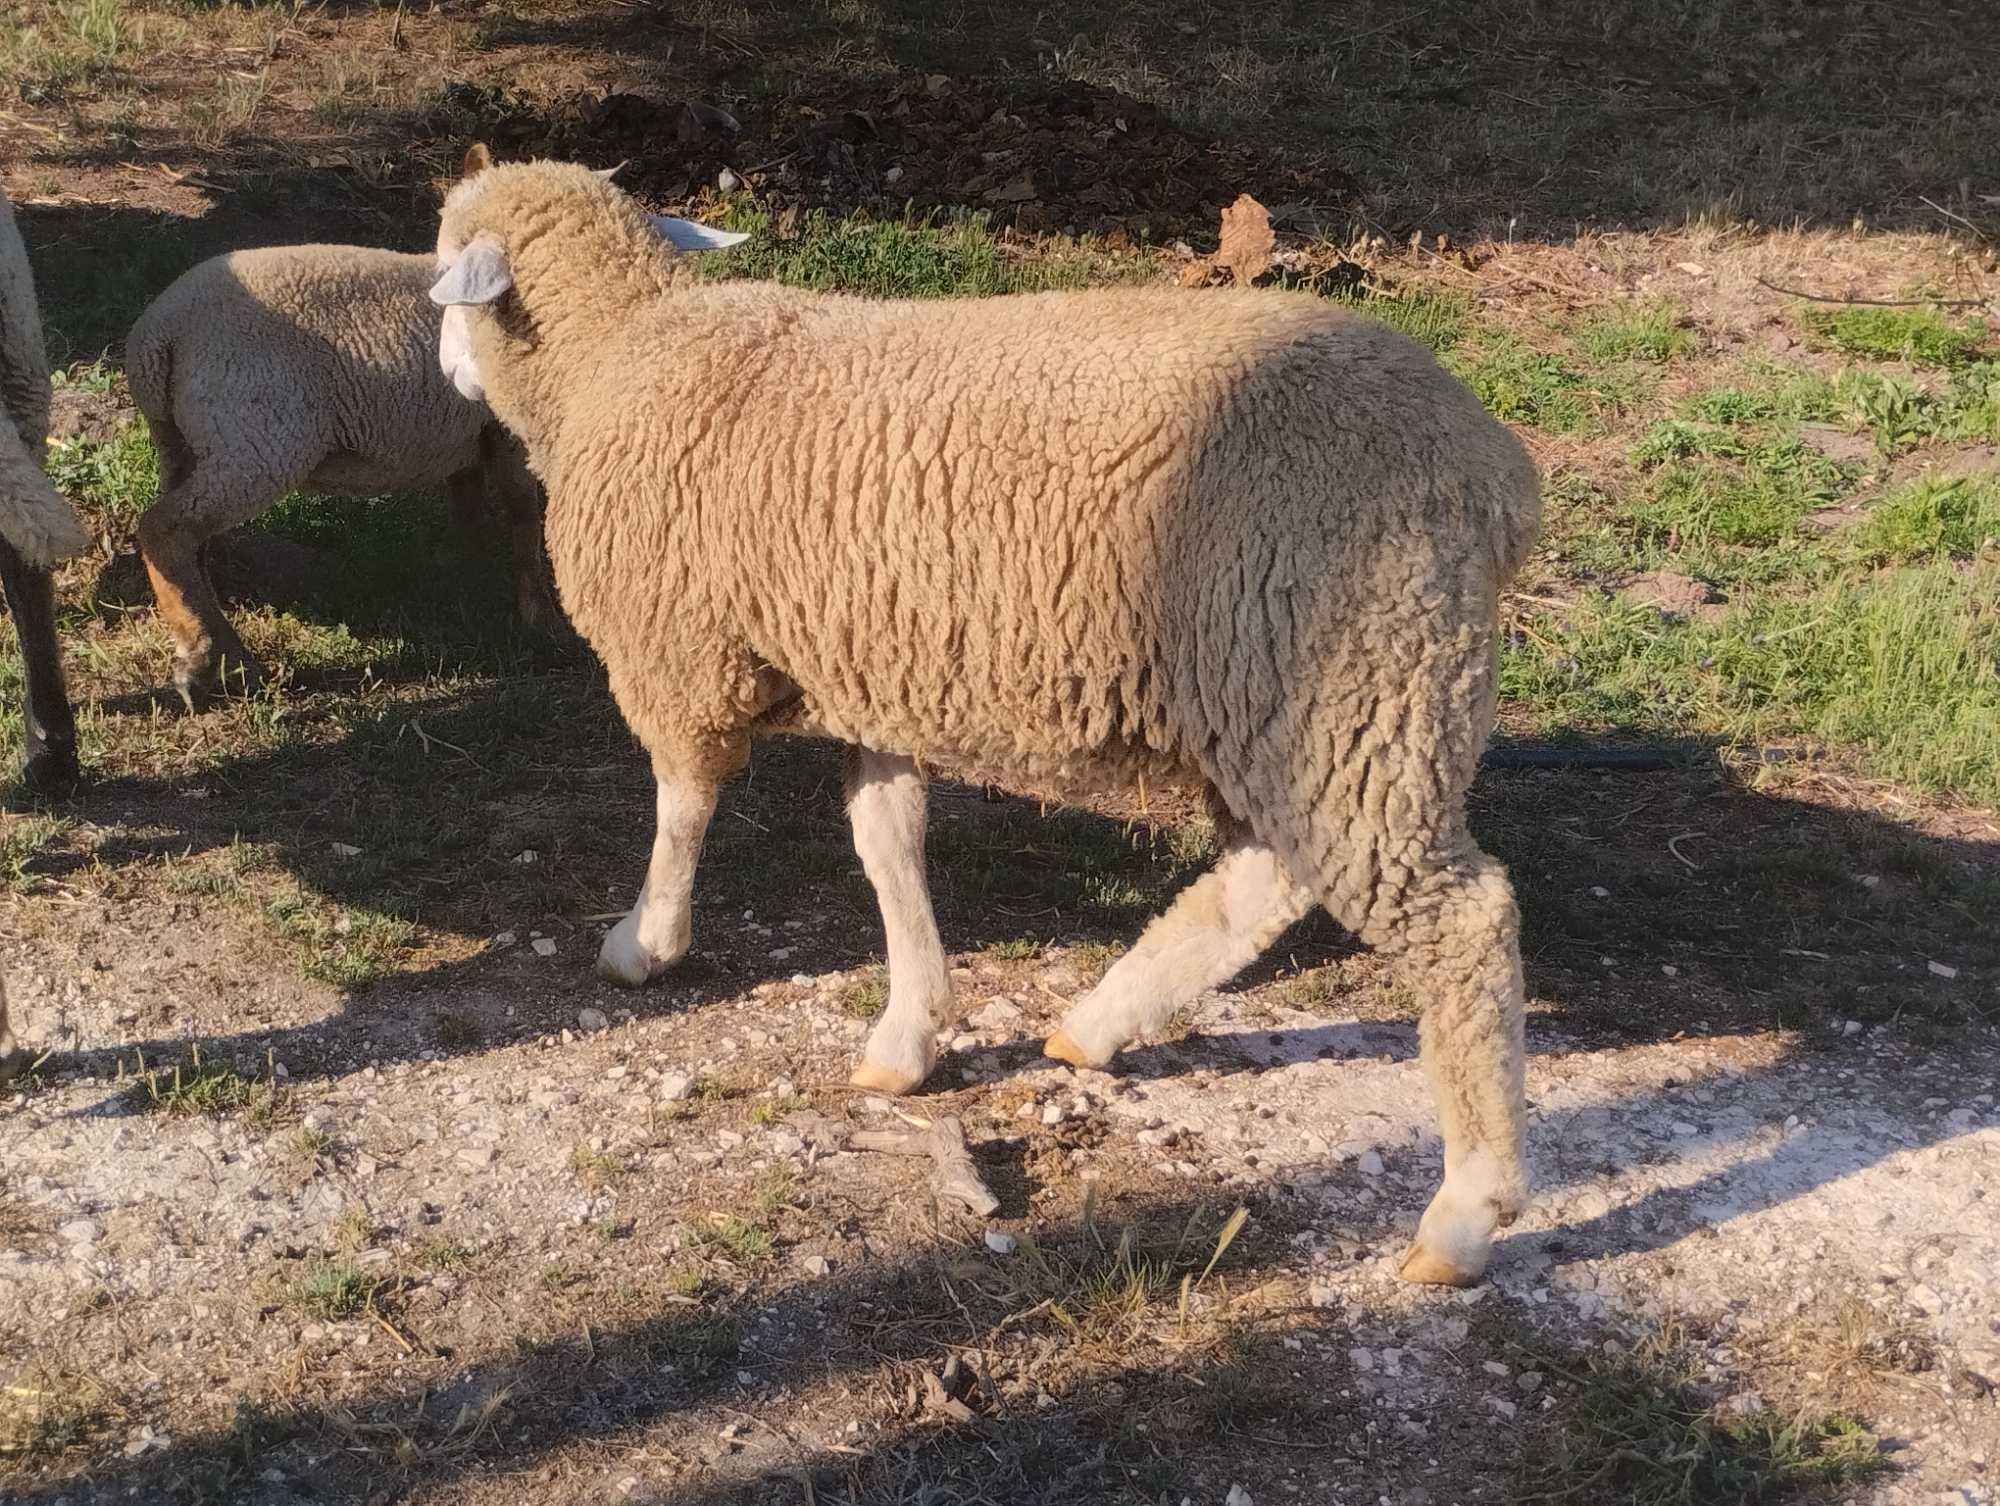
<point x="1058" y="541"/>
<point x="34" y="518"/>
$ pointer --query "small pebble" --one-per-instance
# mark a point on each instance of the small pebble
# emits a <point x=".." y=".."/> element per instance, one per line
<point x="545" y="946"/>
<point x="588" y="1019"/>
<point x="1000" y="1242"/>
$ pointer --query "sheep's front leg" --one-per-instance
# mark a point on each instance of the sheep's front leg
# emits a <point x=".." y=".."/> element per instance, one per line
<point x="11" y="1059"/>
<point x="885" y="803"/>
<point x="48" y="727"/>
<point x="655" y="935"/>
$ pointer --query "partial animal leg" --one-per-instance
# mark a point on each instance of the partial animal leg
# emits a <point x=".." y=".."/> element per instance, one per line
<point x="655" y="934"/>
<point x="11" y="1059"/>
<point x="48" y="728"/>
<point x="1458" y="951"/>
<point x="1367" y="796"/>
<point x="1215" y="928"/>
<point x="886" y="805"/>
<point x="198" y="500"/>
<point x="466" y="491"/>
<point x="521" y="495"/>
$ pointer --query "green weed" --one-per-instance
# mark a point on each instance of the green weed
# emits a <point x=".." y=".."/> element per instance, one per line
<point x="1922" y="335"/>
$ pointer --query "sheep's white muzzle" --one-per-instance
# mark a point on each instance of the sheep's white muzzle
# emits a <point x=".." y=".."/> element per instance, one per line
<point x="455" y="357"/>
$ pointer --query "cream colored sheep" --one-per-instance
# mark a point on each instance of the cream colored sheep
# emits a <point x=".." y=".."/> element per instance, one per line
<point x="302" y="366"/>
<point x="37" y="527"/>
<point x="1061" y="541"/>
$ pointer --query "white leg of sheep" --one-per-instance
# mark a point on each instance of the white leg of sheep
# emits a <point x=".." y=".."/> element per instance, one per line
<point x="885" y="803"/>
<point x="1215" y="928"/>
<point x="655" y="935"/>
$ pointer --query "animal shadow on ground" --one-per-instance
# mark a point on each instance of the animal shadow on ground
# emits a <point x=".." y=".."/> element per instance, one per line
<point x="1270" y="1400"/>
<point x="1671" y="905"/>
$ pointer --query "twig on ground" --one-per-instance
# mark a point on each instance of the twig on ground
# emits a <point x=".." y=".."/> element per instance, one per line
<point x="943" y="1140"/>
<point x="1876" y="303"/>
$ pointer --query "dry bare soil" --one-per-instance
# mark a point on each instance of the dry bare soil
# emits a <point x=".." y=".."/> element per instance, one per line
<point x="336" y="1175"/>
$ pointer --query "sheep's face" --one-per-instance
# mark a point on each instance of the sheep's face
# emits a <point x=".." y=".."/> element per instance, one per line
<point x="475" y="276"/>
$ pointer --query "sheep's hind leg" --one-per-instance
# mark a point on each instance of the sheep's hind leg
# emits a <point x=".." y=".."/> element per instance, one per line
<point x="1459" y="952"/>
<point x="197" y="502"/>
<point x="655" y="934"/>
<point x="48" y="728"/>
<point x="885" y="804"/>
<point x="521" y="496"/>
<point x="1214" y="929"/>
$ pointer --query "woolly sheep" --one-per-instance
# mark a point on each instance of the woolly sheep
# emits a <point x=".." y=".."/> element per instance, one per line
<point x="302" y="366"/>
<point x="1067" y="542"/>
<point x="37" y="527"/>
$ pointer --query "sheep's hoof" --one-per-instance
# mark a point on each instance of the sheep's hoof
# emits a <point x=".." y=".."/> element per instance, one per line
<point x="200" y="684"/>
<point x="1428" y="1268"/>
<point x="626" y="960"/>
<point x="50" y="769"/>
<point x="1063" y="1047"/>
<point x="893" y="1081"/>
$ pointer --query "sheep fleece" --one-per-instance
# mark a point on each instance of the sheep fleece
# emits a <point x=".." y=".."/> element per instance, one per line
<point x="1061" y="541"/>
<point x="321" y="355"/>
<point x="34" y="518"/>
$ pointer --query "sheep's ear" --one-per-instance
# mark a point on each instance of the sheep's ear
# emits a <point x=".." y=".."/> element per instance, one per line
<point x="477" y="160"/>
<point x="691" y="235"/>
<point x="479" y="276"/>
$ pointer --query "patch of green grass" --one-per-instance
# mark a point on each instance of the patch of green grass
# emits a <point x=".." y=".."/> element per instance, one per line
<point x="442" y="1253"/>
<point x="1782" y="393"/>
<point x="24" y="839"/>
<point x="1105" y="1291"/>
<point x="47" y="50"/>
<point x="120" y="477"/>
<point x="349" y="947"/>
<point x="1931" y="518"/>
<point x="1635" y="332"/>
<point x="595" y="1167"/>
<point x="737" y="1239"/>
<point x="1638" y="1430"/>
<point x="330" y="1289"/>
<point x="1434" y="317"/>
<point x="1527" y="386"/>
<point x="93" y="376"/>
<point x="917" y="256"/>
<point x="866" y="995"/>
<point x="201" y="1086"/>
<point x="307" y="1145"/>
<point x="1920" y="335"/>
<point x="1016" y="949"/>
<point x="1754" y="501"/>
<point x="771" y="1110"/>
<point x="1898" y="664"/>
<point x="191" y="879"/>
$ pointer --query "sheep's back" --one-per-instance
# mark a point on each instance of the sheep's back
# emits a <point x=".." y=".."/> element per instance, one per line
<point x="342" y="336"/>
<point x="1053" y="539"/>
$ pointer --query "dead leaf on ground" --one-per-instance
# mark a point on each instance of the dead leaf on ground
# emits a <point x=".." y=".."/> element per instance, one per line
<point x="1246" y="240"/>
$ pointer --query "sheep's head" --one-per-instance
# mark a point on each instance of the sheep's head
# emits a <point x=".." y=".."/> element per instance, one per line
<point x="502" y="224"/>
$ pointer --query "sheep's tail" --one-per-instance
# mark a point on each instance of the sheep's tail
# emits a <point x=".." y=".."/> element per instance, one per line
<point x="35" y="519"/>
<point x="1517" y="519"/>
<point x="149" y="367"/>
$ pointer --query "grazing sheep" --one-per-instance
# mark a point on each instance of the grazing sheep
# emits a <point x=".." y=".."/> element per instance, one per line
<point x="1066" y="542"/>
<point x="37" y="527"/>
<point x="302" y="366"/>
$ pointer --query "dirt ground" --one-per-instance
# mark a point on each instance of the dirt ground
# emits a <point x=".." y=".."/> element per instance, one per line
<point x="339" y="1177"/>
